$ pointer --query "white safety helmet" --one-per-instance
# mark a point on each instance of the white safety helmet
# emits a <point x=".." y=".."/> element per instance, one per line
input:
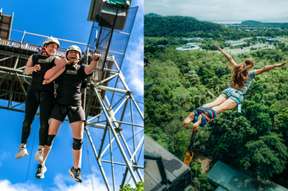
<point x="50" y="40"/>
<point x="75" y="48"/>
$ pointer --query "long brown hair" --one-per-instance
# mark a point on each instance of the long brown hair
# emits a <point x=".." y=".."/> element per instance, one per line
<point x="240" y="74"/>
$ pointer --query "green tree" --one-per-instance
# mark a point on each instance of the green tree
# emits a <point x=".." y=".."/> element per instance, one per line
<point x="139" y="187"/>
<point x="266" y="156"/>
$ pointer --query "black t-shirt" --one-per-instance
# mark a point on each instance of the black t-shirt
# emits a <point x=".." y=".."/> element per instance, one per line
<point x="45" y="63"/>
<point x="69" y="85"/>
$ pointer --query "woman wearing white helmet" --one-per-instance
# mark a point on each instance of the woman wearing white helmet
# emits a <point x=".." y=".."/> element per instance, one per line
<point x="39" y="95"/>
<point x="68" y="103"/>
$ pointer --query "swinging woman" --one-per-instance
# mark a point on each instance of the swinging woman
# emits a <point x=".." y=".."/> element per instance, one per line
<point x="242" y="77"/>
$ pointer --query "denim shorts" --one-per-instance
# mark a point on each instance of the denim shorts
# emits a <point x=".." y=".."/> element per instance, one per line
<point x="234" y="94"/>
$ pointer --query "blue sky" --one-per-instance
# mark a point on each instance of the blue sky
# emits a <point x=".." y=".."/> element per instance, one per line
<point x="68" y="20"/>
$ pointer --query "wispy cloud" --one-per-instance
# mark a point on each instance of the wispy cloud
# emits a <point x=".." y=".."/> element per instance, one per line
<point x="91" y="182"/>
<point x="134" y="59"/>
<point x="135" y="67"/>
<point x="8" y="186"/>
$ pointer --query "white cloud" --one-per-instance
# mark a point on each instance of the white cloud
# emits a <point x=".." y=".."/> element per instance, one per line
<point x="135" y="66"/>
<point x="91" y="182"/>
<point x="134" y="59"/>
<point x="6" y="185"/>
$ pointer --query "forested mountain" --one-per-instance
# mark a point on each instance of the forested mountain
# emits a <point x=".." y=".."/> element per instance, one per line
<point x="156" y="25"/>
<point x="252" y="23"/>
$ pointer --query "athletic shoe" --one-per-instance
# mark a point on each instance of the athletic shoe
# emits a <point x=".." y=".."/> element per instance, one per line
<point x="40" y="173"/>
<point x="75" y="174"/>
<point x="22" y="151"/>
<point x="39" y="154"/>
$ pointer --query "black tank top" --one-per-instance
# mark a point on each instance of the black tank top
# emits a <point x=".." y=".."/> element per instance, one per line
<point x="69" y="85"/>
<point x="46" y="63"/>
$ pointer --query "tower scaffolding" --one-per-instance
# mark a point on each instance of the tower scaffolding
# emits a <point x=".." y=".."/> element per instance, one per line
<point x="121" y="118"/>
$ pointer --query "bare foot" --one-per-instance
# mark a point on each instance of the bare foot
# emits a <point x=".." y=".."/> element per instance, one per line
<point x="188" y="120"/>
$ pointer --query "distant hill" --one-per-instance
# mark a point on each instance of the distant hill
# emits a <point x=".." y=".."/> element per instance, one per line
<point x="252" y="23"/>
<point x="183" y="26"/>
<point x="157" y="25"/>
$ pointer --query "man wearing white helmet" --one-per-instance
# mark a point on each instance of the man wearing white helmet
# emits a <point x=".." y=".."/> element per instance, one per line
<point x="68" y="102"/>
<point x="39" y="94"/>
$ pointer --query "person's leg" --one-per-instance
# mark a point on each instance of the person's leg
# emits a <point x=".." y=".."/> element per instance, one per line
<point x="54" y="125"/>
<point x="76" y="116"/>
<point x="57" y="116"/>
<point x="46" y="106"/>
<point x="209" y="114"/>
<point x="190" y="118"/>
<point x="219" y="100"/>
<point x="31" y="105"/>
<point x="227" y="105"/>
<point x="77" y="131"/>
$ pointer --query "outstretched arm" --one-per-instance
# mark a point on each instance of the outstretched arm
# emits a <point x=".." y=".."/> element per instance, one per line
<point x="93" y="64"/>
<point x="230" y="59"/>
<point x="268" y="68"/>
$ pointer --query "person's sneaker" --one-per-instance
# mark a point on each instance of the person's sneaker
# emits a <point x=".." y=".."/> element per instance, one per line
<point x="75" y="174"/>
<point x="40" y="173"/>
<point x="39" y="154"/>
<point x="22" y="151"/>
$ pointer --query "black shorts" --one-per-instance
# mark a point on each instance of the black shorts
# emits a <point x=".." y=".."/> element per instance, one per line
<point x="75" y="113"/>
